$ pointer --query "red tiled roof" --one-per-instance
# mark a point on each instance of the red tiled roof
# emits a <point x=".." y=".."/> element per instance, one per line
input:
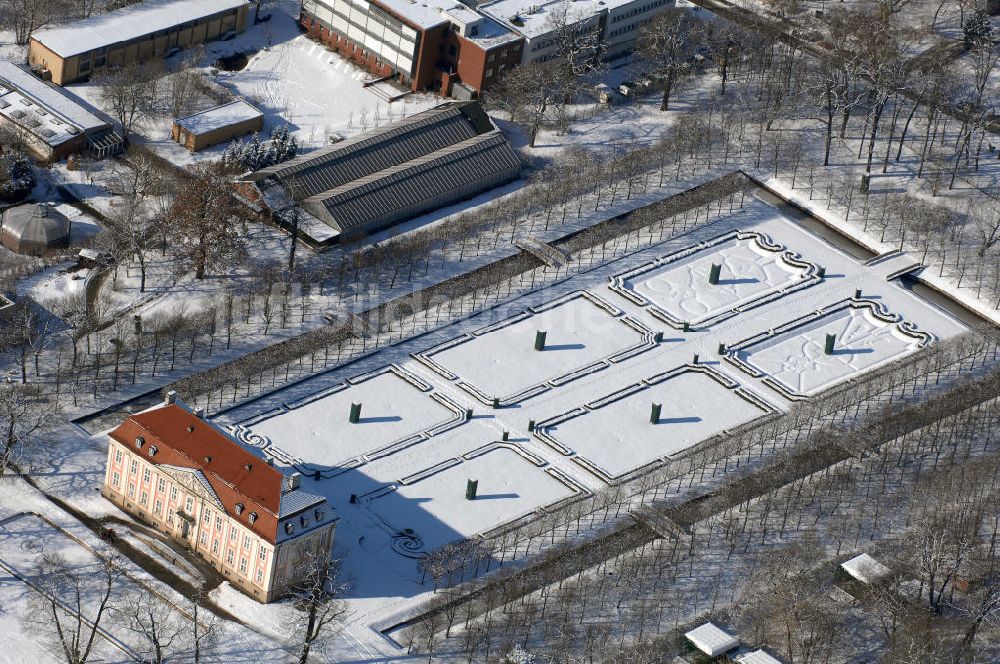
<point x="185" y="440"/>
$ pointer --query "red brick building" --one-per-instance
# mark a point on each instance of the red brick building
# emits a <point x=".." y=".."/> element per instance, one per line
<point x="425" y="45"/>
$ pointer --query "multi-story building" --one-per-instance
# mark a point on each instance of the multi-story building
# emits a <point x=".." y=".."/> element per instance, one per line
<point x="176" y="471"/>
<point x="424" y="45"/>
<point x="138" y="32"/>
<point x="618" y="22"/>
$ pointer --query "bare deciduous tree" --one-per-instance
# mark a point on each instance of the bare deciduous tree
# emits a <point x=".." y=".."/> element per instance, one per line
<point x="72" y="603"/>
<point x="203" y="220"/>
<point x="316" y="598"/>
<point x="156" y="624"/>
<point x="24" y="411"/>
<point x="666" y="43"/>
<point x="130" y="91"/>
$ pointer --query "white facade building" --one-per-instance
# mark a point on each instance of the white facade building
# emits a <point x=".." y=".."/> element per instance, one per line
<point x="618" y="21"/>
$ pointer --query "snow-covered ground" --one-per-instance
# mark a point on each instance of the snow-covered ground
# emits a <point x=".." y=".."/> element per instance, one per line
<point x="292" y="79"/>
<point x="590" y="429"/>
<point x="395" y="410"/>
<point x="617" y="434"/>
<point x="31" y="527"/>
<point x="798" y="360"/>
<point x="501" y="362"/>
<point x="434" y="506"/>
<point x="749" y="269"/>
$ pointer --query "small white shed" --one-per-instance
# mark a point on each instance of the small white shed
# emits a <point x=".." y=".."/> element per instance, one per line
<point x="712" y="640"/>
<point x="865" y="569"/>
<point x="757" y="657"/>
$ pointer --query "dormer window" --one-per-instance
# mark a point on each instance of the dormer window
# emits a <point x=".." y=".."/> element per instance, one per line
<point x="319" y="515"/>
<point x="289" y="528"/>
<point x="190" y="428"/>
<point x="139" y="442"/>
<point x="152" y="450"/>
<point x="304" y="521"/>
<point x="239" y="508"/>
<point x="208" y="459"/>
<point x="253" y="517"/>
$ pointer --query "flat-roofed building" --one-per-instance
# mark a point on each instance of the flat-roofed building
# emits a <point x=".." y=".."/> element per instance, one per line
<point x="422" y="45"/>
<point x="618" y="22"/>
<point x="50" y="122"/>
<point x="132" y="34"/>
<point x="194" y="482"/>
<point x="217" y="125"/>
<point x="383" y="177"/>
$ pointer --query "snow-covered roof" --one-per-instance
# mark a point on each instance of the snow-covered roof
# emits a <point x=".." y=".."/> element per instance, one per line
<point x="866" y="569"/>
<point x="46" y="111"/>
<point x="128" y="23"/>
<point x="219" y="117"/>
<point x="34" y="225"/>
<point x="533" y="18"/>
<point x="424" y="14"/>
<point x="757" y="657"/>
<point x="712" y="640"/>
<point x="297" y="500"/>
<point x="460" y="13"/>
<point x="492" y="33"/>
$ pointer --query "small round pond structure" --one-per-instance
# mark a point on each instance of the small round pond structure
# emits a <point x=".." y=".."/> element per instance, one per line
<point x="34" y="229"/>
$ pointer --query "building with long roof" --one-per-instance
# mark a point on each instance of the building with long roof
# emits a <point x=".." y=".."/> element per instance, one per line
<point x="138" y="32"/>
<point x="191" y="480"/>
<point x="51" y="123"/>
<point x="383" y="177"/>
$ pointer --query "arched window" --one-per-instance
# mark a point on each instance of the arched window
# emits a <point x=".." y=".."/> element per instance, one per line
<point x="253" y="517"/>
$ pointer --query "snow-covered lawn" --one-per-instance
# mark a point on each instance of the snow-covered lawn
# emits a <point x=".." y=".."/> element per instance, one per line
<point x="617" y="435"/>
<point x="797" y="359"/>
<point x="396" y="410"/>
<point x="317" y="92"/>
<point x="292" y="79"/>
<point x="24" y="542"/>
<point x="435" y="508"/>
<point x="500" y="361"/>
<point x="750" y="270"/>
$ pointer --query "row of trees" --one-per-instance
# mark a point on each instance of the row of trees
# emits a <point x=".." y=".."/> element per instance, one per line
<point x="23" y="17"/>
<point x="928" y="497"/>
<point x="76" y="606"/>
<point x="775" y="442"/>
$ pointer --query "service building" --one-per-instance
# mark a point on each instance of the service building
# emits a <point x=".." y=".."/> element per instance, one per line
<point x="617" y="21"/>
<point x="217" y="125"/>
<point x="145" y="30"/>
<point x="50" y="122"/>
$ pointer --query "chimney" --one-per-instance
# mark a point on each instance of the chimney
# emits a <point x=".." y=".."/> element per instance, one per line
<point x="171" y="397"/>
<point x="292" y="482"/>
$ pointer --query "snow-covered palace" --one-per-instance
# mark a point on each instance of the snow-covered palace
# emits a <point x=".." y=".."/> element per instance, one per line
<point x="172" y="469"/>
